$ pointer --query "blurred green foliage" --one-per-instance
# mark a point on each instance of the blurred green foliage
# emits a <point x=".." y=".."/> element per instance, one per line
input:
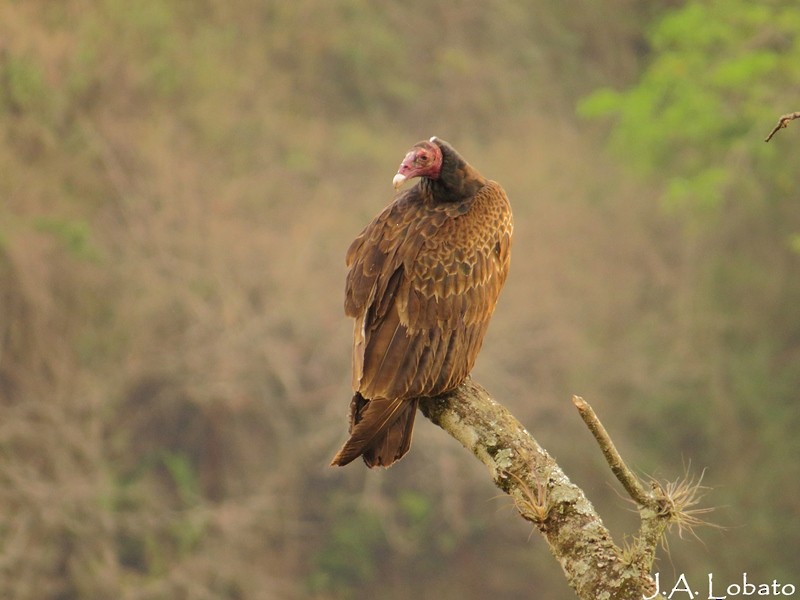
<point x="24" y="88"/>
<point x="74" y="235"/>
<point x="348" y="561"/>
<point x="716" y="68"/>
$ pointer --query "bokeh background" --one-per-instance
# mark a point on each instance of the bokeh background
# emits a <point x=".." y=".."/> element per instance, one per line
<point x="179" y="181"/>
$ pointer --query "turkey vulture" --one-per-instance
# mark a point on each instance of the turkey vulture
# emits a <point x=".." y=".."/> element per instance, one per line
<point x="423" y="281"/>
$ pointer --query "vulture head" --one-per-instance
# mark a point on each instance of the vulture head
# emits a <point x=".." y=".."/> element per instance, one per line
<point x="423" y="160"/>
<point x="445" y="175"/>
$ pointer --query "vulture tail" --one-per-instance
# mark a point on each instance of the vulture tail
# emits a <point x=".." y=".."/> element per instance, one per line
<point x="380" y="431"/>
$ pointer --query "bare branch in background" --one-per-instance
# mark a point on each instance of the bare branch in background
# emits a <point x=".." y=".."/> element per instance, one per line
<point x="783" y="122"/>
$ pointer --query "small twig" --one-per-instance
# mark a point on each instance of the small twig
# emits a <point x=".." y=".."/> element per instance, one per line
<point x="782" y="123"/>
<point x="625" y="476"/>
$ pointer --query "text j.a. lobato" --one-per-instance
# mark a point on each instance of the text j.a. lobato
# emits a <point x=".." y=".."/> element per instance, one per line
<point x="714" y="590"/>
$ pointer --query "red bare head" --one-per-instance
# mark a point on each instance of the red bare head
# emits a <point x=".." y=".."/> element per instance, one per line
<point x="424" y="160"/>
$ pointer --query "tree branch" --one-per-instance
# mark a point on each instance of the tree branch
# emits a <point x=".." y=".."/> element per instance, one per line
<point x="625" y="476"/>
<point x="594" y="566"/>
<point x="782" y="123"/>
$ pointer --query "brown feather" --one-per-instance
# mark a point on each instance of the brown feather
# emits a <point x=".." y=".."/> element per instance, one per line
<point x="423" y="280"/>
<point x="391" y="419"/>
<point x="396" y="439"/>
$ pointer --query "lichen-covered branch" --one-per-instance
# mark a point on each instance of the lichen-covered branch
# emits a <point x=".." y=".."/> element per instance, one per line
<point x="594" y="566"/>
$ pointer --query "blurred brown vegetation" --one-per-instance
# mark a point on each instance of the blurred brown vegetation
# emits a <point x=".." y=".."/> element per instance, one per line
<point x="179" y="181"/>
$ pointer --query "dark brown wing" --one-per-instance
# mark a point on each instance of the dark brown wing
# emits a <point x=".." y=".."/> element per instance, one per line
<point x="422" y="286"/>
